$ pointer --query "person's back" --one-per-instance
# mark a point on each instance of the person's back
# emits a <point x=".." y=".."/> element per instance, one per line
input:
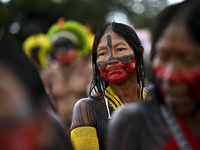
<point x="138" y="126"/>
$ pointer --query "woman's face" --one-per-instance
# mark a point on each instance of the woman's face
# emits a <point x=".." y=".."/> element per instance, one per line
<point x="116" y="60"/>
<point x="177" y="66"/>
<point x="13" y="95"/>
<point x="64" y="50"/>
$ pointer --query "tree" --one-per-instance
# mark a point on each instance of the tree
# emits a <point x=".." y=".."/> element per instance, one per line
<point x="35" y="16"/>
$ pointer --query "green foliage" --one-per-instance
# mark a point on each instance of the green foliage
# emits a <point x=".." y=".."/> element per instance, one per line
<point x="4" y="19"/>
<point x="39" y="15"/>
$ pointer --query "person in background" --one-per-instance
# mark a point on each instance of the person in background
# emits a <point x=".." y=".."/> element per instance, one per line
<point x="37" y="47"/>
<point x="172" y="119"/>
<point x="118" y="78"/>
<point x="69" y="76"/>
<point x="25" y="121"/>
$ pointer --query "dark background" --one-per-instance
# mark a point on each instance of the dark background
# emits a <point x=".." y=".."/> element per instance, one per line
<point x="25" y="17"/>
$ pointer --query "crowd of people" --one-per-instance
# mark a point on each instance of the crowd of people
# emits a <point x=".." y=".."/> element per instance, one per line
<point x="64" y="94"/>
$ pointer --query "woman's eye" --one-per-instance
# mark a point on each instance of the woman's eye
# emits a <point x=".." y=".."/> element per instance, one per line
<point x="164" y="58"/>
<point x="190" y="60"/>
<point x="102" y="54"/>
<point x="121" y="49"/>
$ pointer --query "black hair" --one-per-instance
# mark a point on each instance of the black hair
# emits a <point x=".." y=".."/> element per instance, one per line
<point x="62" y="44"/>
<point x="25" y="71"/>
<point x="186" y="13"/>
<point x="98" y="84"/>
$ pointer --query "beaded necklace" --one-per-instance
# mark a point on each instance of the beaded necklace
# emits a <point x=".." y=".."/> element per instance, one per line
<point x="115" y="102"/>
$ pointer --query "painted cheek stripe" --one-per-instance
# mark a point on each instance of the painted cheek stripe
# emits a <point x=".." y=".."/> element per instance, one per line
<point x="65" y="56"/>
<point x="185" y="76"/>
<point x="189" y="77"/>
<point x="119" y="72"/>
<point x="127" y="58"/>
<point x="124" y="59"/>
<point x="101" y="64"/>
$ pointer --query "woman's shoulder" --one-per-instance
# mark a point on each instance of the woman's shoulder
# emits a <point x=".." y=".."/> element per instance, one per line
<point x="89" y="108"/>
<point x="91" y="102"/>
<point x="87" y="111"/>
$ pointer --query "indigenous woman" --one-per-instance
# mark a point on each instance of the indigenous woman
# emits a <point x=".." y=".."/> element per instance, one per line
<point x="172" y="121"/>
<point x="118" y="78"/>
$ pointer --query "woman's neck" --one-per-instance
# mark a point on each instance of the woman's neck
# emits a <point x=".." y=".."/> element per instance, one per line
<point x="189" y="111"/>
<point x="127" y="91"/>
<point x="68" y="66"/>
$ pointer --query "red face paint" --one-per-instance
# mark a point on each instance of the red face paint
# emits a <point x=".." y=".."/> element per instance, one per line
<point x="65" y="56"/>
<point x="189" y="77"/>
<point x="119" y="72"/>
<point x="24" y="136"/>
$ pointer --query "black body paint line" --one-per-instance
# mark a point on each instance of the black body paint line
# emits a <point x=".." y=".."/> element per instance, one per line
<point x="124" y="59"/>
<point x="102" y="64"/>
<point x="109" y="41"/>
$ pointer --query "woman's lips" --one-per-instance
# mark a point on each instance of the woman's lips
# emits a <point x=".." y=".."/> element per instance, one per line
<point x="114" y="69"/>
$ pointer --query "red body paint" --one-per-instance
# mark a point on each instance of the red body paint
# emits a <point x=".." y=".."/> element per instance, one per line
<point x="24" y="136"/>
<point x="65" y="56"/>
<point x="119" y="72"/>
<point x="193" y="141"/>
<point x="189" y="77"/>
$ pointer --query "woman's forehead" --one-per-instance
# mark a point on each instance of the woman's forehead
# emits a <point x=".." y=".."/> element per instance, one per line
<point x="177" y="38"/>
<point x="114" y="38"/>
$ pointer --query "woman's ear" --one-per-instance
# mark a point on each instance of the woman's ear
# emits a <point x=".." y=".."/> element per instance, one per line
<point x="141" y="48"/>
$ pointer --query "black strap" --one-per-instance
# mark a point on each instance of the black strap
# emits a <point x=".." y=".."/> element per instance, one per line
<point x="175" y="128"/>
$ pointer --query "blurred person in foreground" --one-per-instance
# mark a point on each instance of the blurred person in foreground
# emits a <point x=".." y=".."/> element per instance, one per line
<point x="172" y="120"/>
<point x="118" y="78"/>
<point x="25" y="123"/>
<point x="68" y="80"/>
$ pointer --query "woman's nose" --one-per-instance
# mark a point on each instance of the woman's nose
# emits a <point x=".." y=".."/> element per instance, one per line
<point x="112" y="61"/>
<point x="172" y="73"/>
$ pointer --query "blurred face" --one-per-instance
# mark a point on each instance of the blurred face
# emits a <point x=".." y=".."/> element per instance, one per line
<point x="13" y="96"/>
<point x="116" y="60"/>
<point x="65" y="50"/>
<point x="65" y="56"/>
<point x="177" y="66"/>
